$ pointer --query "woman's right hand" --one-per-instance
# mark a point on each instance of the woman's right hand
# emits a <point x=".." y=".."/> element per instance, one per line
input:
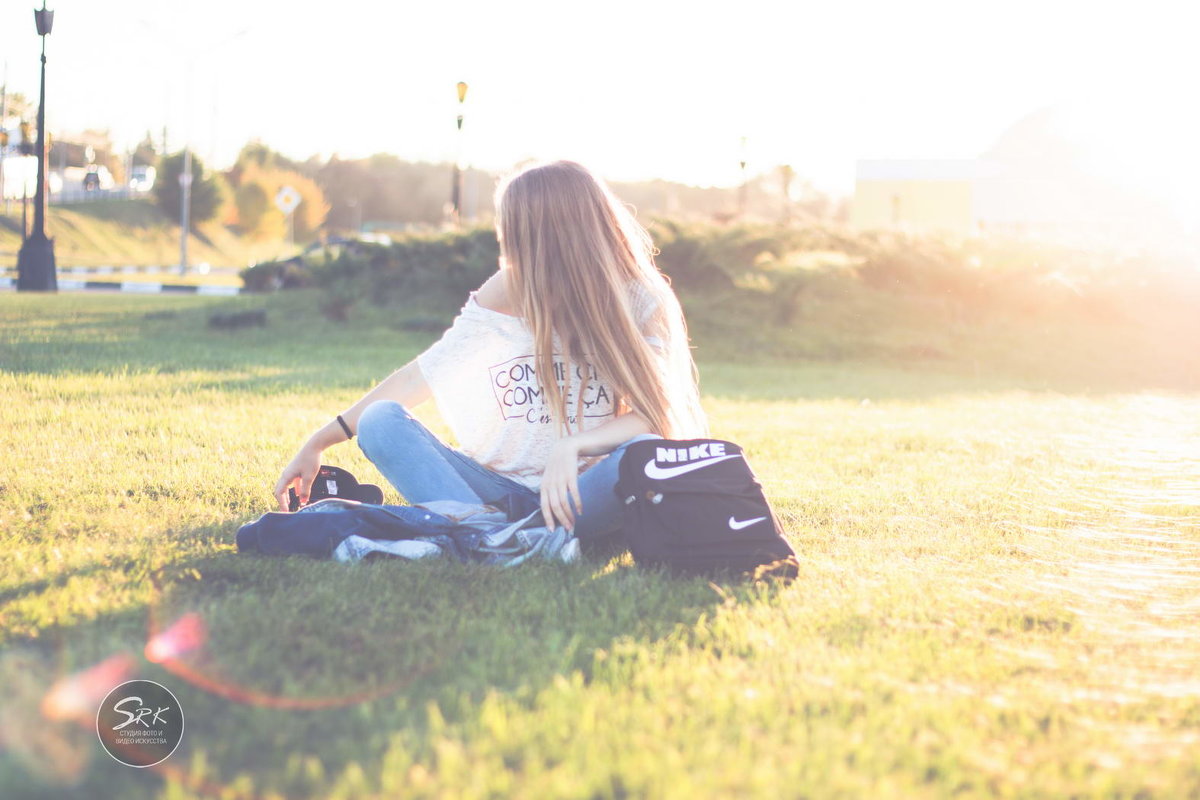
<point x="299" y="474"/>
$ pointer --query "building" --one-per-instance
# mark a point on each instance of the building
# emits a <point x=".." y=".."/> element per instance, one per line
<point x="1030" y="184"/>
<point x="916" y="196"/>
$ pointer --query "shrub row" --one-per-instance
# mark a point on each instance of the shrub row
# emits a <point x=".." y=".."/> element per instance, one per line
<point x="776" y="273"/>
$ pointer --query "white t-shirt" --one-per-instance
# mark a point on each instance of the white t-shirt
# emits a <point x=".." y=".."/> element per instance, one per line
<point x="482" y="374"/>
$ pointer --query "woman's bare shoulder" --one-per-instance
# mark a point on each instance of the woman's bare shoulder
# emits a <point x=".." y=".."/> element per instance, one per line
<point x="493" y="294"/>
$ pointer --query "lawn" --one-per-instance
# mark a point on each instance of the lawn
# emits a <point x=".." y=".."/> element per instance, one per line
<point x="999" y="589"/>
<point x="130" y="232"/>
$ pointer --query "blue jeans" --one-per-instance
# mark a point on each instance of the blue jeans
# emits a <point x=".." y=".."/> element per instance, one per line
<point x="423" y="468"/>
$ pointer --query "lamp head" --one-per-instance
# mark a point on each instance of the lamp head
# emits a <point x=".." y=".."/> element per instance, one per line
<point x="44" y="19"/>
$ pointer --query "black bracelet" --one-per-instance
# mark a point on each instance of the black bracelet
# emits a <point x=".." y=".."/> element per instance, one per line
<point x="345" y="427"/>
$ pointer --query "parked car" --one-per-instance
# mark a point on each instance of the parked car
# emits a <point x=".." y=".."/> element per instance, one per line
<point x="141" y="178"/>
<point x="98" y="178"/>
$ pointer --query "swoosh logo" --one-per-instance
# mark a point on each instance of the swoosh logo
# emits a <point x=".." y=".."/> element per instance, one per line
<point x="736" y="525"/>
<point x="653" y="470"/>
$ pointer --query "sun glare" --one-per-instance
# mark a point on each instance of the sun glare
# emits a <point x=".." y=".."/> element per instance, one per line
<point x="1145" y="143"/>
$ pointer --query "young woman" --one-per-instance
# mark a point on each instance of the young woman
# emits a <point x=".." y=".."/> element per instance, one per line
<point x="575" y="348"/>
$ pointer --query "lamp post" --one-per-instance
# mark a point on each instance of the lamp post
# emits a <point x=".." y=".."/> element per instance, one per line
<point x="36" y="270"/>
<point x="456" y="191"/>
<point x="742" y="186"/>
<point x="786" y="173"/>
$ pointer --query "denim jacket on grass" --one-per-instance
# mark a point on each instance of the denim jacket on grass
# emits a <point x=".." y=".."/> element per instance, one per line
<point x="349" y="531"/>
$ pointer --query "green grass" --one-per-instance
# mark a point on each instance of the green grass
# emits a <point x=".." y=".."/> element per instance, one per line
<point x="133" y="232"/>
<point x="1000" y="568"/>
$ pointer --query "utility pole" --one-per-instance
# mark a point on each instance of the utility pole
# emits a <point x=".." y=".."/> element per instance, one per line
<point x="185" y="209"/>
<point x="186" y="177"/>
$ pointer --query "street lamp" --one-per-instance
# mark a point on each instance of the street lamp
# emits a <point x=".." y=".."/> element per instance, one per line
<point x="786" y="173"/>
<point x="36" y="270"/>
<point x="742" y="186"/>
<point x="456" y="191"/>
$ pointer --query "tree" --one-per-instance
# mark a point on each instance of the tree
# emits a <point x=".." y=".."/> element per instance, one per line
<point x="257" y="215"/>
<point x="146" y="153"/>
<point x="20" y="106"/>
<point x="209" y="190"/>
<point x="252" y="203"/>
<point x="256" y="154"/>
<point x="385" y="188"/>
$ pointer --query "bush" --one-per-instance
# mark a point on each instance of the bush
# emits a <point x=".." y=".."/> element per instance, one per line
<point x="774" y="289"/>
<point x="923" y="265"/>
<point x="698" y="257"/>
<point x="438" y="268"/>
<point x="271" y="276"/>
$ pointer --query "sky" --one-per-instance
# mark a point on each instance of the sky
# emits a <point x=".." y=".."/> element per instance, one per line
<point x="635" y="90"/>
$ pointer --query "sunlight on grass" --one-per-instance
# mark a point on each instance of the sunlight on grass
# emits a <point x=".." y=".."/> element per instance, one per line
<point x="999" y="592"/>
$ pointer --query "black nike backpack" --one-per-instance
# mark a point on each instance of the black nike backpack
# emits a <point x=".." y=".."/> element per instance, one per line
<point x="695" y="507"/>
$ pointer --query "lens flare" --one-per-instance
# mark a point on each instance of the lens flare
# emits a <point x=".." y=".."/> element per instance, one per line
<point x="50" y="727"/>
<point x="77" y="696"/>
<point x="185" y="635"/>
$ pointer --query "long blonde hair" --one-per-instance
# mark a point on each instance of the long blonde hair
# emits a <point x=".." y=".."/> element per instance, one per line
<point x="581" y="272"/>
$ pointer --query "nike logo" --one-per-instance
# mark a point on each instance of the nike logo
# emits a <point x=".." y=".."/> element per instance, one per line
<point x="736" y="525"/>
<point x="653" y="470"/>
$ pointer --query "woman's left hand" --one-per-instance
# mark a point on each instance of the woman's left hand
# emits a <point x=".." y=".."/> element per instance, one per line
<point x="560" y="485"/>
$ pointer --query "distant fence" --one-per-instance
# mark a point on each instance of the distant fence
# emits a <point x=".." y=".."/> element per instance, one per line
<point x="195" y="269"/>
<point x="76" y="196"/>
<point x="133" y="287"/>
<point x="73" y="197"/>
